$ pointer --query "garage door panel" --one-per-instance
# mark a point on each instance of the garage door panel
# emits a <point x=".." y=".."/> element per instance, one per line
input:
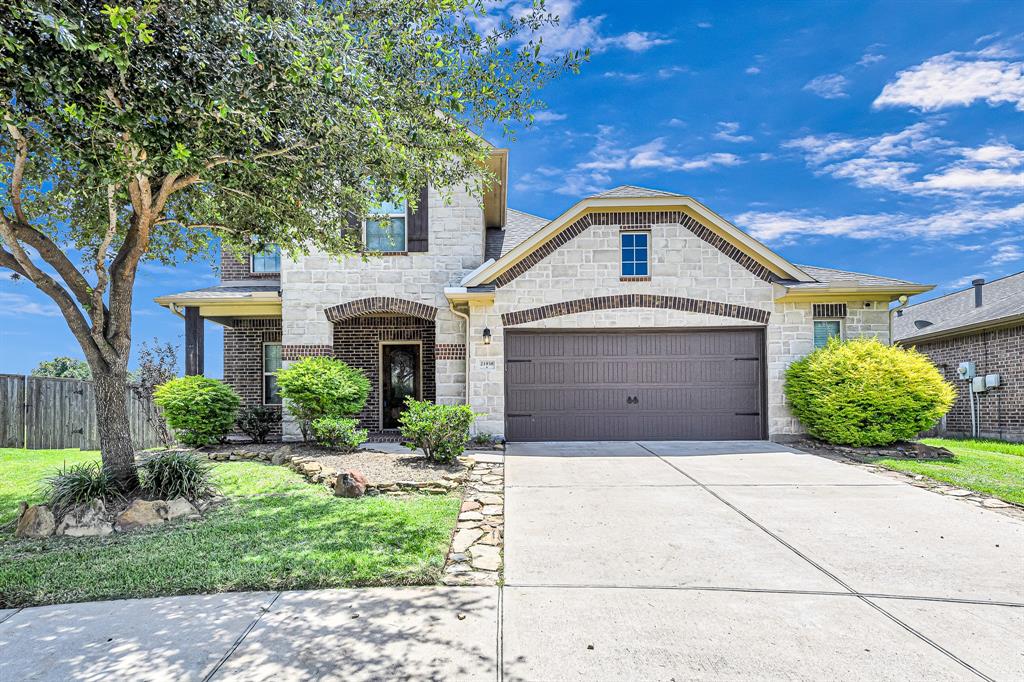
<point x="650" y="385"/>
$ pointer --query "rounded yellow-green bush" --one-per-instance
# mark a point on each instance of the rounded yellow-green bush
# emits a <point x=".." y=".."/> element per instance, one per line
<point x="199" y="409"/>
<point x="864" y="393"/>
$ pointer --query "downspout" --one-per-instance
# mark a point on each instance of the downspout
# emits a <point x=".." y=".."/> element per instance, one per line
<point x="465" y="318"/>
<point x="173" y="307"/>
<point x="903" y="299"/>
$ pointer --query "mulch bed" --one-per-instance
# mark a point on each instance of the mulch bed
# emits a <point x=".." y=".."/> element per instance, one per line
<point x="901" y="450"/>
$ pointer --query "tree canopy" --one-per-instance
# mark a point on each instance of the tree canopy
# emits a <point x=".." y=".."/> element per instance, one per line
<point x="63" y="366"/>
<point x="145" y="129"/>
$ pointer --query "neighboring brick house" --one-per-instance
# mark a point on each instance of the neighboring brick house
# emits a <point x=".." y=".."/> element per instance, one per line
<point x="634" y="314"/>
<point x="983" y="325"/>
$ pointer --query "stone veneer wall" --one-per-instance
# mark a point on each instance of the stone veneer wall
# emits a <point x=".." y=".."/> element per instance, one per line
<point x="243" y="359"/>
<point x="998" y="351"/>
<point x="358" y="342"/>
<point x="317" y="282"/>
<point x="683" y="264"/>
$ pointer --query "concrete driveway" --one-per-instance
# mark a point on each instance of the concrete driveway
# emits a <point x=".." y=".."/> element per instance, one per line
<point x="748" y="560"/>
<point x="625" y="561"/>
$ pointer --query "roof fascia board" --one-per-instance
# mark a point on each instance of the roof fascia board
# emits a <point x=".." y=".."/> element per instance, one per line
<point x="725" y="229"/>
<point x="839" y="294"/>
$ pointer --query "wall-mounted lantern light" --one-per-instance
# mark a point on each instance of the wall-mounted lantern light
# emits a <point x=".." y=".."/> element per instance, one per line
<point x="487" y="336"/>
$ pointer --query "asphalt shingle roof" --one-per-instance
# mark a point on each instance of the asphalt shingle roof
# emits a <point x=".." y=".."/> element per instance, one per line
<point x="238" y="289"/>
<point x="826" y="277"/>
<point x="1002" y="299"/>
<point x="630" y="191"/>
<point x="518" y="227"/>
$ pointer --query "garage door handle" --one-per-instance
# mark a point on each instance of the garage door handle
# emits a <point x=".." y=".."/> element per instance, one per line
<point x="748" y="414"/>
<point x="519" y="361"/>
<point x="520" y="415"/>
<point x="754" y="359"/>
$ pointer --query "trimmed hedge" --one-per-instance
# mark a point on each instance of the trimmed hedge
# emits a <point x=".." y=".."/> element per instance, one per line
<point x="863" y="393"/>
<point x="318" y="387"/>
<point x="199" y="409"/>
<point x="441" y="431"/>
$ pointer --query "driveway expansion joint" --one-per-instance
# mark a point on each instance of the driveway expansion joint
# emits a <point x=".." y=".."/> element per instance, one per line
<point x="241" y="638"/>
<point x="828" y="573"/>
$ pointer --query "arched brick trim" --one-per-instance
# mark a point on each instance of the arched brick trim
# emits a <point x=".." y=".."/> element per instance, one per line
<point x="635" y="220"/>
<point x="583" y="305"/>
<point x="376" y="305"/>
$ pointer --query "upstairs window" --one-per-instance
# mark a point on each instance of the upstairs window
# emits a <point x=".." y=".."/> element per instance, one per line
<point x="386" y="233"/>
<point x="825" y="330"/>
<point x="635" y="254"/>
<point x="268" y="260"/>
<point x="271" y="363"/>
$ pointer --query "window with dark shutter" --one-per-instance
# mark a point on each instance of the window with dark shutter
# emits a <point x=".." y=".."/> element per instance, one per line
<point x="418" y="234"/>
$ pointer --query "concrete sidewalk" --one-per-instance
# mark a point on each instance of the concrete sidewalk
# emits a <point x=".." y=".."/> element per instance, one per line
<point x="359" y="634"/>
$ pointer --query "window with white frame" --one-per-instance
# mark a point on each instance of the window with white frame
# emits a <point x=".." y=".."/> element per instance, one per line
<point x="385" y="231"/>
<point x="271" y="363"/>
<point x="635" y="254"/>
<point x="825" y="330"/>
<point x="268" y="260"/>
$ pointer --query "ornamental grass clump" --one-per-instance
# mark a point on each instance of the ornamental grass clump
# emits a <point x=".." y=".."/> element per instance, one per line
<point x="78" y="485"/>
<point x="864" y="393"/>
<point x="176" y="474"/>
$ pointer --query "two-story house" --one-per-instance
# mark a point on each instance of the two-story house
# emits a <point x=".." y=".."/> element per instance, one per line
<point x="634" y="315"/>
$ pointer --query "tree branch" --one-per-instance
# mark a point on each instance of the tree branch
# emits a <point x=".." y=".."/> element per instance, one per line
<point x="18" y="172"/>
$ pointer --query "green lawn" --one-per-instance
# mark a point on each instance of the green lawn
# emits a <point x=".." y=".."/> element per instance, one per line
<point x="276" y="532"/>
<point x="991" y="467"/>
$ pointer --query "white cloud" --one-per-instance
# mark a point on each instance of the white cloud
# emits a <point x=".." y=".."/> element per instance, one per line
<point x="727" y="132"/>
<point x="653" y="155"/>
<point x="572" y="32"/>
<point x="18" y="305"/>
<point x="1007" y="254"/>
<point x="548" y="116"/>
<point x="958" y="79"/>
<point x="663" y="73"/>
<point x="964" y="281"/>
<point x="677" y="123"/>
<point x="870" y="58"/>
<point x="829" y="86"/>
<point x="787" y="226"/>
<point x="753" y="70"/>
<point x="623" y="75"/>
<point x="704" y="24"/>
<point x="893" y="161"/>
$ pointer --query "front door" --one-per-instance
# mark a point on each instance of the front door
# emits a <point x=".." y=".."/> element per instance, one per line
<point x="400" y="379"/>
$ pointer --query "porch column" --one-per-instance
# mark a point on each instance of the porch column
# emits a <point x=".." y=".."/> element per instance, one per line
<point x="194" y="334"/>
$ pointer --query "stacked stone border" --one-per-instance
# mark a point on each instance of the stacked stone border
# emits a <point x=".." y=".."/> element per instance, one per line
<point x="377" y="305"/>
<point x="311" y="470"/>
<point x="635" y="220"/>
<point x="475" y="555"/>
<point x="583" y="305"/>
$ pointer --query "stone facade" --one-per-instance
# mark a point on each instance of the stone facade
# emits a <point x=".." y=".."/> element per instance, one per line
<point x="684" y="264"/>
<point x="998" y="351"/>
<point x="347" y="308"/>
<point x="243" y="359"/>
<point x="316" y="284"/>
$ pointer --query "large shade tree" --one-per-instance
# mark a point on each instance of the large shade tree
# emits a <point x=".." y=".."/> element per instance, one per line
<point x="145" y="130"/>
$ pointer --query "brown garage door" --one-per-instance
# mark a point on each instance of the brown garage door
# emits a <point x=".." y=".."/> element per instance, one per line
<point x="638" y="385"/>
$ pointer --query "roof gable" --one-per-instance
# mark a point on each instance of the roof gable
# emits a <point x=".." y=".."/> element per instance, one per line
<point x="636" y="204"/>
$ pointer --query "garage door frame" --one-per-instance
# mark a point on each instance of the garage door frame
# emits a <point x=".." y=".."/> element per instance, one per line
<point x="760" y="329"/>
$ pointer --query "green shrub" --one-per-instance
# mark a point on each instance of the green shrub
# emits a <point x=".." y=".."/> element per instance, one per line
<point x="199" y="409"/>
<point x="78" y="485"/>
<point x="257" y="422"/>
<point x="863" y="393"/>
<point x="339" y="432"/>
<point x="441" y="431"/>
<point x="319" y="387"/>
<point x="176" y="474"/>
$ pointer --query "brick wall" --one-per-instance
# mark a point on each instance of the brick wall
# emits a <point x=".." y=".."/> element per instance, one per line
<point x="1001" y="352"/>
<point x="243" y="359"/>
<point x="234" y="267"/>
<point x="357" y="342"/>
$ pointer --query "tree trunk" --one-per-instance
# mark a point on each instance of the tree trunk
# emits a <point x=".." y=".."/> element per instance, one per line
<point x="115" y="436"/>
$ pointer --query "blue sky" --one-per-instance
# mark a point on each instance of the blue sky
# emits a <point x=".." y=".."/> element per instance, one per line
<point x="881" y="137"/>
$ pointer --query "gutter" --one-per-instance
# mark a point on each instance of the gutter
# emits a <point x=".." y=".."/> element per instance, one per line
<point x="998" y="323"/>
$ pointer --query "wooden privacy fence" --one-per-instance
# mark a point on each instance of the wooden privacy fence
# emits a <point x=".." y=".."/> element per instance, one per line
<point x="40" y="413"/>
